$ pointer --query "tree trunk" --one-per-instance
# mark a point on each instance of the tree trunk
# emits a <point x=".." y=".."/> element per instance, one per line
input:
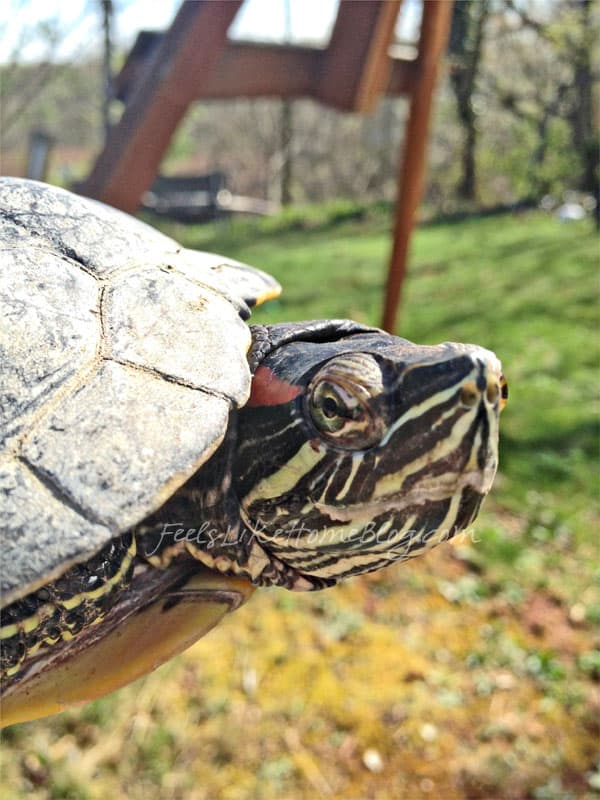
<point x="286" y="153"/>
<point x="107" y="12"/>
<point x="583" y="124"/>
<point x="466" y="49"/>
<point x="467" y="188"/>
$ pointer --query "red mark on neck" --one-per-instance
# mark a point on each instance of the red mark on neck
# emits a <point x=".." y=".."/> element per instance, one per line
<point x="269" y="390"/>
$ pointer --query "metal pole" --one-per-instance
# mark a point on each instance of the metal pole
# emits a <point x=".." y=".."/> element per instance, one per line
<point x="435" y="29"/>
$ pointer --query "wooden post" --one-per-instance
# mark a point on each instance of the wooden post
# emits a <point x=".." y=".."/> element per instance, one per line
<point x="356" y="65"/>
<point x="435" y="29"/>
<point x="134" y="149"/>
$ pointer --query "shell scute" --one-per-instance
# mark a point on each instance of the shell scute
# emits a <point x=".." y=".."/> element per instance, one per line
<point x="50" y="330"/>
<point x="30" y="515"/>
<point x="167" y="323"/>
<point x="147" y="435"/>
<point x="121" y="358"/>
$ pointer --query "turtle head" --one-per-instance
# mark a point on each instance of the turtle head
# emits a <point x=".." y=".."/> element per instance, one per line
<point x="358" y="448"/>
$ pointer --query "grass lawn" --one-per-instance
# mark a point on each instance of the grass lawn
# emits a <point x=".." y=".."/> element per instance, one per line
<point x="472" y="673"/>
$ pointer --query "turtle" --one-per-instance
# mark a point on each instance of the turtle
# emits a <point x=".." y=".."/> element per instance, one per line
<point x="160" y="458"/>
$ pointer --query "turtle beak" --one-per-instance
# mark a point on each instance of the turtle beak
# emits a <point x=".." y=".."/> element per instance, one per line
<point x="124" y="649"/>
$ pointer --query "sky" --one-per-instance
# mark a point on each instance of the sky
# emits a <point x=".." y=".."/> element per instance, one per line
<point x="80" y="23"/>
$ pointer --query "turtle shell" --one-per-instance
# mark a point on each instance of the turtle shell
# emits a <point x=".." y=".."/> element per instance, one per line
<point x="121" y="357"/>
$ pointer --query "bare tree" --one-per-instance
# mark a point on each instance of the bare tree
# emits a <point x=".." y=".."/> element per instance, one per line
<point x="107" y="10"/>
<point x="466" y="50"/>
<point x="287" y="126"/>
<point x="569" y="34"/>
<point x="584" y="122"/>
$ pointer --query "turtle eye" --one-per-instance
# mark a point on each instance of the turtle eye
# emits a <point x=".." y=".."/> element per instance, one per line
<point x="341" y="415"/>
<point x="329" y="410"/>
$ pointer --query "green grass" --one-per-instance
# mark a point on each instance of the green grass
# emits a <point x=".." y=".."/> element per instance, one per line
<point x="472" y="672"/>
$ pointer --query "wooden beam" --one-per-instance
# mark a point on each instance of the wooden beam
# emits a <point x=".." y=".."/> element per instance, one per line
<point x="135" y="63"/>
<point x="258" y="69"/>
<point x="435" y="29"/>
<point x="249" y="69"/>
<point x="188" y="52"/>
<point x="356" y="65"/>
<point x="403" y="77"/>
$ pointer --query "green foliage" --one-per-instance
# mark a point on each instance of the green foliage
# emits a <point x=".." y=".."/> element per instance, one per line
<point x="64" y="100"/>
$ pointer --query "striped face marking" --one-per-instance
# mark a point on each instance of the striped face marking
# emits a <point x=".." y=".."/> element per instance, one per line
<point x="388" y="450"/>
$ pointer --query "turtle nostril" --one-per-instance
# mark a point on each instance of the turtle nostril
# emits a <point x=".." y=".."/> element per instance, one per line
<point x="492" y="392"/>
<point x="469" y="394"/>
<point x="503" y="392"/>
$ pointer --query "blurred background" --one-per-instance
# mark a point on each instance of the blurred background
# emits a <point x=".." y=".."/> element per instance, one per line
<point x="474" y="672"/>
